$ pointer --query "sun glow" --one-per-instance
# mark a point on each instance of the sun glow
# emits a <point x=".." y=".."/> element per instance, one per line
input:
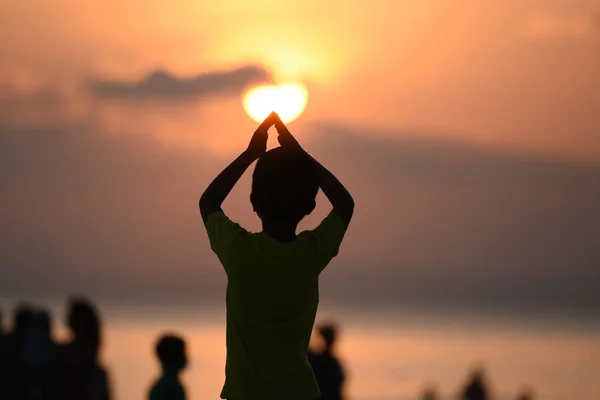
<point x="288" y="100"/>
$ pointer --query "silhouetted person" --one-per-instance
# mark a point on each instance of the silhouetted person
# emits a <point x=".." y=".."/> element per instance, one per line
<point x="170" y="351"/>
<point x="273" y="276"/>
<point x="430" y="393"/>
<point x="476" y="388"/>
<point x="39" y="357"/>
<point x="526" y="395"/>
<point x="4" y="359"/>
<point x="82" y="378"/>
<point x="15" y="378"/>
<point x="326" y="367"/>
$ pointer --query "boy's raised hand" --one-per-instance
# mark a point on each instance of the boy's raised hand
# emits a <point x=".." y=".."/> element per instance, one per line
<point x="258" y="144"/>
<point x="285" y="138"/>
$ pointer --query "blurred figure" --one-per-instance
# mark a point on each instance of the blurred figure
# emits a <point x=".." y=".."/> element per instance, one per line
<point x="38" y="348"/>
<point x="14" y="382"/>
<point x="430" y="393"/>
<point x="4" y="361"/>
<point x="476" y="388"/>
<point x="326" y="367"/>
<point x="526" y="394"/>
<point x="81" y="376"/>
<point x="39" y="357"/>
<point x="171" y="354"/>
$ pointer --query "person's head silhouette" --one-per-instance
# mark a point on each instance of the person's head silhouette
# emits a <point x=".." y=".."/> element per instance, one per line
<point x="84" y="321"/>
<point x="23" y="318"/>
<point x="526" y="394"/>
<point x="171" y="353"/>
<point x="43" y="322"/>
<point x="478" y="375"/>
<point x="430" y="393"/>
<point x="329" y="334"/>
<point x="284" y="187"/>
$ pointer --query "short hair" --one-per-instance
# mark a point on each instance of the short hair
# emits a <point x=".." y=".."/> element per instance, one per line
<point x="284" y="185"/>
<point x="328" y="333"/>
<point x="170" y="350"/>
<point x="84" y="320"/>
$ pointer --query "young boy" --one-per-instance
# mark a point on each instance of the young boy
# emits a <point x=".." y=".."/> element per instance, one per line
<point x="327" y="367"/>
<point x="171" y="354"/>
<point x="272" y="290"/>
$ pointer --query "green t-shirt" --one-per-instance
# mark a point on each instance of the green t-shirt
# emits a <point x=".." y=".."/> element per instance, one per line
<point x="272" y="297"/>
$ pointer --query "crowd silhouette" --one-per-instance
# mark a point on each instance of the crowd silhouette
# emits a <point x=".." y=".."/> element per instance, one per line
<point x="33" y="366"/>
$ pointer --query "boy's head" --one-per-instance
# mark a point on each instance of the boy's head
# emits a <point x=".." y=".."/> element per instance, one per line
<point x="284" y="186"/>
<point x="170" y="350"/>
<point x="328" y="333"/>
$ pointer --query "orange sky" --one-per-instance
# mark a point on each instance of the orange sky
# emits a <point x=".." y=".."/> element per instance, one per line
<point x="445" y="119"/>
<point x="522" y="75"/>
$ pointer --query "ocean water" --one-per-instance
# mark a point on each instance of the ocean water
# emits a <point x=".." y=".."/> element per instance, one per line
<point x="386" y="355"/>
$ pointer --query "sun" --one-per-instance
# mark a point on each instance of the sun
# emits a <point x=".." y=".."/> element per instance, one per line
<point x="288" y="100"/>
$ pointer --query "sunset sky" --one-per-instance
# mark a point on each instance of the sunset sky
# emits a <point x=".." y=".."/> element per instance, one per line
<point x="467" y="131"/>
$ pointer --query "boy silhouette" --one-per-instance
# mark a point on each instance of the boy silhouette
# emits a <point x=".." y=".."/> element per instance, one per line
<point x="272" y="289"/>
<point x="170" y="350"/>
<point x="326" y="366"/>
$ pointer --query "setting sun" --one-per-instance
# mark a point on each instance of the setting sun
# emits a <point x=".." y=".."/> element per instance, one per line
<point x="288" y="100"/>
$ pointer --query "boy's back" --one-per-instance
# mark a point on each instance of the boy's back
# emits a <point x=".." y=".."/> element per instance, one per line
<point x="272" y="298"/>
<point x="272" y="290"/>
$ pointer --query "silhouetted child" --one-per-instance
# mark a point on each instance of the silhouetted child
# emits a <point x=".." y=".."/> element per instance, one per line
<point x="272" y="290"/>
<point x="476" y="389"/>
<point x="326" y="367"/>
<point x="170" y="351"/>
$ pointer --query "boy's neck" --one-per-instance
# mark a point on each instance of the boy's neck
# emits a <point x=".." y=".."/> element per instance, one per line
<point x="281" y="232"/>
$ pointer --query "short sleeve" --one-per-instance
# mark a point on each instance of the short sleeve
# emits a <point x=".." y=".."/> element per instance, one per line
<point x="224" y="236"/>
<point x="328" y="235"/>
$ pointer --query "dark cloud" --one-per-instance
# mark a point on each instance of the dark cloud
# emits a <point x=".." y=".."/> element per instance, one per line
<point x="437" y="223"/>
<point x="163" y="85"/>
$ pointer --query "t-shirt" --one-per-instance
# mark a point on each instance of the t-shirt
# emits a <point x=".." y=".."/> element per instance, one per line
<point x="167" y="387"/>
<point x="272" y="298"/>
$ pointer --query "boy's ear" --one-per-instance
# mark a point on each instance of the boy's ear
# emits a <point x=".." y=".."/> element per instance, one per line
<point x="252" y="202"/>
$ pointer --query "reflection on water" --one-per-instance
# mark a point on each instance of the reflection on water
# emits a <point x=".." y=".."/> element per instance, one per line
<point x="383" y="361"/>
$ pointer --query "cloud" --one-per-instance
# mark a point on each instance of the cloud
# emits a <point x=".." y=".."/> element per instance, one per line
<point x="163" y="85"/>
<point x="436" y="222"/>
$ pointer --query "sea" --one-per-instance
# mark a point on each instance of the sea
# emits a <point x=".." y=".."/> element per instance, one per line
<point x="386" y="354"/>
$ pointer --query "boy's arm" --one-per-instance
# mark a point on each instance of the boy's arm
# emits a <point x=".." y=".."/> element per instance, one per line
<point x="340" y="198"/>
<point x="214" y="195"/>
<point x="338" y="195"/>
